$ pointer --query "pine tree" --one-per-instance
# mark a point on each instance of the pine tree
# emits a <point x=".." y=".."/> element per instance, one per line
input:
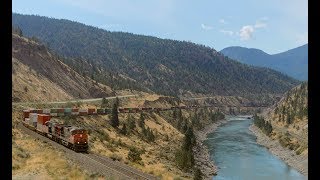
<point x="114" y="116"/>
<point x="124" y="130"/>
<point x="197" y="174"/>
<point x="141" y="120"/>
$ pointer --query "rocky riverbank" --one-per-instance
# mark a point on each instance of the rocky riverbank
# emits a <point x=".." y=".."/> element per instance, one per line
<point x="201" y="153"/>
<point x="299" y="162"/>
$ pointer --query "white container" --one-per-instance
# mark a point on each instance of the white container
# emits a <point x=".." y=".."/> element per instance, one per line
<point x="33" y="117"/>
<point x="46" y="111"/>
<point x="83" y="110"/>
<point x="74" y="113"/>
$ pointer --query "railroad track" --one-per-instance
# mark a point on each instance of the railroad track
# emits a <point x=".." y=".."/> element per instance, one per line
<point x="94" y="163"/>
<point x="126" y="170"/>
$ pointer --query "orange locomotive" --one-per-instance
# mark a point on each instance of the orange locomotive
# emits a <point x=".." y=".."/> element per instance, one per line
<point x="72" y="137"/>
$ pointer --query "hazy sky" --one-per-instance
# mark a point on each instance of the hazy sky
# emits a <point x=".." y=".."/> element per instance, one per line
<point x="270" y="25"/>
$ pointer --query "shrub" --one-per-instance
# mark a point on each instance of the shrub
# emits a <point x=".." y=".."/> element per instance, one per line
<point x="134" y="154"/>
<point x="115" y="157"/>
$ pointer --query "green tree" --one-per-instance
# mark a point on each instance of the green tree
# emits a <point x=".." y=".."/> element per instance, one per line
<point x="124" y="130"/>
<point x="197" y="174"/>
<point x="141" y="120"/>
<point x="131" y="123"/>
<point x="134" y="154"/>
<point x="114" y="116"/>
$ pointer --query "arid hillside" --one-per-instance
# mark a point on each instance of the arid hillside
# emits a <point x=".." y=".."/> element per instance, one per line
<point x="39" y="76"/>
<point x="289" y="119"/>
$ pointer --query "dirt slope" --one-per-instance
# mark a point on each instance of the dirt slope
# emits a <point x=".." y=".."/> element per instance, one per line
<point x="37" y="75"/>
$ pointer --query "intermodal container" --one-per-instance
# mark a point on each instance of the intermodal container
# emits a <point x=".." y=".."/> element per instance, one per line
<point x="33" y="117"/>
<point x="53" y="114"/>
<point x="39" y="111"/>
<point x="60" y="110"/>
<point x="46" y="111"/>
<point x="43" y="118"/>
<point x="54" y="110"/>
<point x="74" y="113"/>
<point x="91" y="111"/>
<point x="33" y="111"/>
<point x="75" y="110"/>
<point x="67" y="110"/>
<point x="83" y="110"/>
<point x="26" y="113"/>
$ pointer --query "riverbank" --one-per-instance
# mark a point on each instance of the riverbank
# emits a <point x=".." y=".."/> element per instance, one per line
<point x="201" y="153"/>
<point x="299" y="162"/>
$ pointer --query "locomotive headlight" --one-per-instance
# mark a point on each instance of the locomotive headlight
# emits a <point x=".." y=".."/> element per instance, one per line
<point x="78" y="142"/>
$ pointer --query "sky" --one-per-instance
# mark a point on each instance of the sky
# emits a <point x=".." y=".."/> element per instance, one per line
<point x="273" y="26"/>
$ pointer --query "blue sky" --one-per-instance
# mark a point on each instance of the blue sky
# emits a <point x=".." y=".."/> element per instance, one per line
<point x="270" y="25"/>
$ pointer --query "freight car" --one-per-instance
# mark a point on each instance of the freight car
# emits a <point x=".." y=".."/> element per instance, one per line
<point x="72" y="137"/>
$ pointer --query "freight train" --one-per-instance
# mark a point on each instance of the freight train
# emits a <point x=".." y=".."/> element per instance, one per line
<point x="72" y="137"/>
<point x="39" y="120"/>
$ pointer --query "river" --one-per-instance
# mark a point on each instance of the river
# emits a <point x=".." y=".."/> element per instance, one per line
<point x="234" y="150"/>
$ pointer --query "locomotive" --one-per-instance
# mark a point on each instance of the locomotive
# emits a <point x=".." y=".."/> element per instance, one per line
<point x="72" y="137"/>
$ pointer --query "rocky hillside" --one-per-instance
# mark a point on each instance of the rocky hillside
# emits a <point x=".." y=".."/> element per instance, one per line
<point x="167" y="67"/>
<point x="289" y="119"/>
<point x="38" y="75"/>
<point x="293" y="62"/>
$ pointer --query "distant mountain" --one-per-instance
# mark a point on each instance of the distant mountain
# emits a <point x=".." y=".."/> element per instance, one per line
<point x="293" y="62"/>
<point x="163" y="66"/>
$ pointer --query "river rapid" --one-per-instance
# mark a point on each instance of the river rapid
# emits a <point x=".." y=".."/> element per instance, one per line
<point x="234" y="150"/>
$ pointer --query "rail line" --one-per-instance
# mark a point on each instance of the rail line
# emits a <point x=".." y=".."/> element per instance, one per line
<point x="92" y="162"/>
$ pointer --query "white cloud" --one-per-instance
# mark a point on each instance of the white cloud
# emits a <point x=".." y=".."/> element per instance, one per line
<point x="206" y="27"/>
<point x="246" y="32"/>
<point x="227" y="32"/>
<point x="222" y="21"/>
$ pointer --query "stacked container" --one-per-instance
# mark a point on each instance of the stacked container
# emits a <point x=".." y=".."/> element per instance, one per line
<point x="39" y="111"/>
<point x="75" y="111"/>
<point x="83" y="112"/>
<point x="54" y="112"/>
<point x="67" y="111"/>
<point x="26" y="114"/>
<point x="60" y="111"/>
<point x="46" y="111"/>
<point x="33" y="119"/>
<point x="42" y="119"/>
<point x="91" y="111"/>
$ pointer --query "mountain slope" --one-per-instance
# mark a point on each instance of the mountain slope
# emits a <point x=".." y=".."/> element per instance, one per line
<point x="293" y="62"/>
<point x="163" y="66"/>
<point x="37" y="75"/>
<point x="289" y="118"/>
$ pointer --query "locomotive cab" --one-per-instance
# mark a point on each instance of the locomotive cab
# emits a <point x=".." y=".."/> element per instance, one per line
<point x="80" y="139"/>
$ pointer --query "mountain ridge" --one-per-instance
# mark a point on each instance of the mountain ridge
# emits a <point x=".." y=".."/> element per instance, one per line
<point x="167" y="67"/>
<point x="293" y="62"/>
